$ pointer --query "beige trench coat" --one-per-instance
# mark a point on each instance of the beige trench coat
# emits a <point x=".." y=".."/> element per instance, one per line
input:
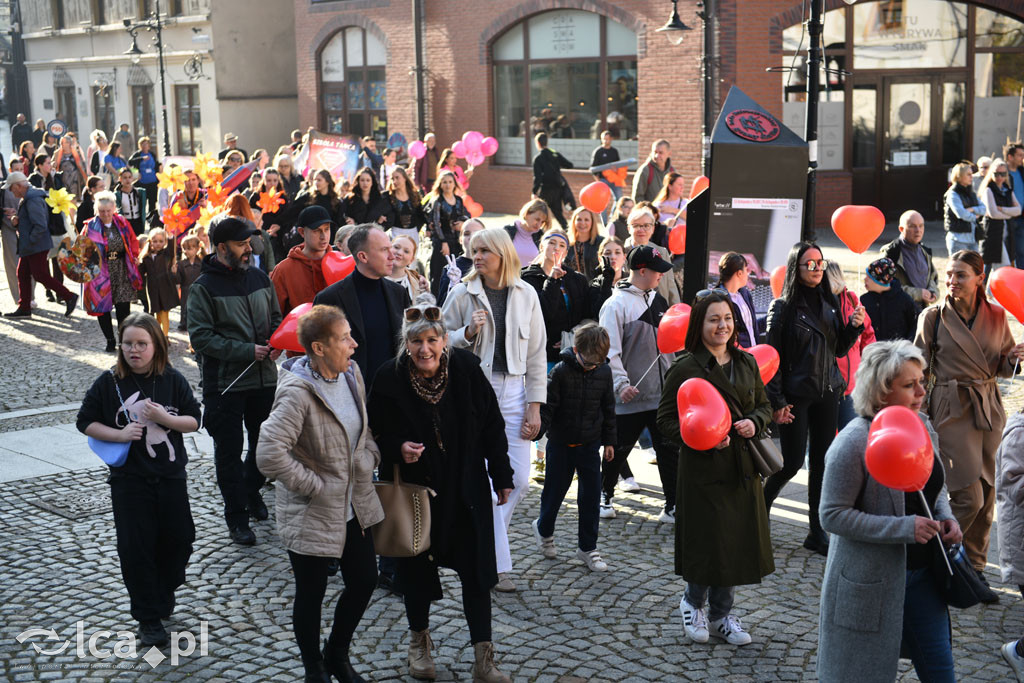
<point x="965" y="406"/>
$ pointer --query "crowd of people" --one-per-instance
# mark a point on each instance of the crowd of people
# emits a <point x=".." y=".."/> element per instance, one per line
<point x="453" y="351"/>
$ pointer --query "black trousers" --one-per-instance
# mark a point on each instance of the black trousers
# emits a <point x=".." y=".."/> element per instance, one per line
<point x="224" y="415"/>
<point x="417" y="577"/>
<point x="359" y="572"/>
<point x="814" y="421"/>
<point x="152" y="190"/>
<point x="629" y="427"/>
<point x="121" y="310"/>
<point x="553" y="198"/>
<point x="155" y="533"/>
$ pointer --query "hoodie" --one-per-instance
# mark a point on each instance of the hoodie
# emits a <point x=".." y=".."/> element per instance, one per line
<point x="297" y="279"/>
<point x="631" y="317"/>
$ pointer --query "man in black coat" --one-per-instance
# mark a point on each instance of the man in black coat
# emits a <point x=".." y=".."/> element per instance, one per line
<point x="20" y="132"/>
<point x="548" y="182"/>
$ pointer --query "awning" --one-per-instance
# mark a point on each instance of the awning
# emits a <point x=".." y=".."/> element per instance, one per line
<point x="138" y="76"/>
<point x="61" y="79"/>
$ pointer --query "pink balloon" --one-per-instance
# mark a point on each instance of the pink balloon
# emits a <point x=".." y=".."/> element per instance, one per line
<point x="489" y="146"/>
<point x="475" y="158"/>
<point x="417" y="149"/>
<point x="459" y="149"/>
<point x="471" y="140"/>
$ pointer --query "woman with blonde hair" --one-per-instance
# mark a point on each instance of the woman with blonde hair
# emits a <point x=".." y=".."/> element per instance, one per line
<point x="525" y="232"/>
<point x="445" y="214"/>
<point x="404" y="249"/>
<point x="290" y="178"/>
<point x="1000" y="202"/>
<point x="498" y="316"/>
<point x="584" y="240"/>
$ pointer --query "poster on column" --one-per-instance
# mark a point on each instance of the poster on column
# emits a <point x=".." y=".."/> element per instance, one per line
<point x="338" y="154"/>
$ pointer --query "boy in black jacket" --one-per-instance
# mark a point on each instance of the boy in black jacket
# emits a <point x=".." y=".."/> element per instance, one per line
<point x="579" y="417"/>
<point x="891" y="310"/>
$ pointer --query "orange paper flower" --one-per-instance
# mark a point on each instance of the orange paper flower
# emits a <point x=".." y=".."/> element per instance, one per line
<point x="270" y="202"/>
<point x="175" y="219"/>
<point x="216" y="195"/>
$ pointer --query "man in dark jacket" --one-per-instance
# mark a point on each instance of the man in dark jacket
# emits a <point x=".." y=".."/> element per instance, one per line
<point x="232" y="311"/>
<point x="548" y="182"/>
<point x="913" y="261"/>
<point x="606" y="154"/>
<point x="20" y="131"/>
<point x="34" y="241"/>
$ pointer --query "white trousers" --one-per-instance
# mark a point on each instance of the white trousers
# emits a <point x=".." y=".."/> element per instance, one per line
<point x="511" y="393"/>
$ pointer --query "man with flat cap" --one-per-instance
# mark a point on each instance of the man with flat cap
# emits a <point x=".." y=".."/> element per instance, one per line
<point x="232" y="311"/>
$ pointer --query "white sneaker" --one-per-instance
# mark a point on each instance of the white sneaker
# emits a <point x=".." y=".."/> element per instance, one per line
<point x="1015" y="661"/>
<point x="592" y="560"/>
<point x="607" y="511"/>
<point x="546" y="545"/>
<point x="629" y="485"/>
<point x="730" y="630"/>
<point x="667" y="517"/>
<point x="694" y="622"/>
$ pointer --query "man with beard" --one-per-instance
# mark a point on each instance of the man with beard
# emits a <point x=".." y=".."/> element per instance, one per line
<point x="232" y="311"/>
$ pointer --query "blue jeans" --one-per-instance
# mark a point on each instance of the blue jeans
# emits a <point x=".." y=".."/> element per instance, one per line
<point x="926" y="630"/>
<point x="616" y="194"/>
<point x="562" y="461"/>
<point x="955" y="241"/>
<point x="1017" y="225"/>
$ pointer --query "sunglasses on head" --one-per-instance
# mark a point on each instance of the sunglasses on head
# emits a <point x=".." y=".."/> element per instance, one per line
<point x="431" y="313"/>
<point x="812" y="266"/>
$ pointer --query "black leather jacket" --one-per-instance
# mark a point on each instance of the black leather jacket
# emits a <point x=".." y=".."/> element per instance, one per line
<point x="808" y="346"/>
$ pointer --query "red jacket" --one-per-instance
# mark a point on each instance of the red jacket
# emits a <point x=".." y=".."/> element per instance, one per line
<point x="298" y="279"/>
<point x="849" y="363"/>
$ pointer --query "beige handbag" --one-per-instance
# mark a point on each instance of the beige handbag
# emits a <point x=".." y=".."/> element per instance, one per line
<point x="405" y="531"/>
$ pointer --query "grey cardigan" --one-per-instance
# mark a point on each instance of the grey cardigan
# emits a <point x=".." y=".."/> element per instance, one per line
<point x="861" y="621"/>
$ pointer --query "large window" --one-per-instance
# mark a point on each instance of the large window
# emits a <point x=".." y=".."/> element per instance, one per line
<point x="353" y="89"/>
<point x="67" y="106"/>
<point x="143" y="113"/>
<point x="998" y="80"/>
<point x="570" y="74"/>
<point x="186" y="104"/>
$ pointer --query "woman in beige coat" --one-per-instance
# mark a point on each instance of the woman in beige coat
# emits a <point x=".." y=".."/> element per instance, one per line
<point x="968" y="344"/>
<point x="318" y="448"/>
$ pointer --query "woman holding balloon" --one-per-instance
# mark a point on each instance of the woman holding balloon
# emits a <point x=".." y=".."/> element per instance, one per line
<point x="879" y="587"/>
<point x="722" y="536"/>
<point x="969" y="343"/>
<point x="805" y="328"/>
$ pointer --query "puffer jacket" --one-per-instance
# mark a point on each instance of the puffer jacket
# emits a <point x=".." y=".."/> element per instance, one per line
<point x="808" y="347"/>
<point x="631" y="317"/>
<point x="1010" y="500"/>
<point x="230" y="310"/>
<point x="297" y="279"/>
<point x="563" y="302"/>
<point x="581" y="404"/>
<point x="304" y="448"/>
<point x="33" y="223"/>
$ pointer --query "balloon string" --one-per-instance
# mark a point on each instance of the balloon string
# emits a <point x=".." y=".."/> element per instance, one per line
<point x="649" y="368"/>
<point x="239" y="376"/>
<point x="942" y="549"/>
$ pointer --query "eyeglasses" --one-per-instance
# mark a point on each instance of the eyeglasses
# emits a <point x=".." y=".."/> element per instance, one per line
<point x="135" y="346"/>
<point x="812" y="266"/>
<point x="587" y="365"/>
<point x="1000" y="174"/>
<point x="430" y="313"/>
<point x="643" y="226"/>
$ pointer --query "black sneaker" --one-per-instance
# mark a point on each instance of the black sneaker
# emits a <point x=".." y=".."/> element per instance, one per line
<point x="817" y="543"/>
<point x="111" y="346"/>
<point x="243" y="535"/>
<point x="153" y="633"/>
<point x="27" y="313"/>
<point x="69" y="305"/>
<point x="50" y="297"/>
<point x="987" y="596"/>
<point x="258" y="509"/>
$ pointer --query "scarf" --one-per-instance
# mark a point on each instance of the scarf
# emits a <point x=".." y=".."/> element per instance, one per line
<point x="430" y="389"/>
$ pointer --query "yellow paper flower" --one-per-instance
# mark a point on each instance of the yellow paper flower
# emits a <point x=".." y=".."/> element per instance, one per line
<point x="173" y="179"/>
<point x="60" y="201"/>
<point x="206" y="215"/>
<point x="207" y="168"/>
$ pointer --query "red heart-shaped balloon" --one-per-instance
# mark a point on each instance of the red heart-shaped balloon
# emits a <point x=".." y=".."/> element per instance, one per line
<point x="899" y="451"/>
<point x="672" y="328"/>
<point x="858" y="226"/>
<point x="700" y="183"/>
<point x="286" y="336"/>
<point x="704" y="419"/>
<point x="1007" y="286"/>
<point x="337" y="266"/>
<point x="767" y="360"/>
<point x="778" y="279"/>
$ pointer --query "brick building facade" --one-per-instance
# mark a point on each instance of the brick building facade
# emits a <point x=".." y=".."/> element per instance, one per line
<point x="961" y="108"/>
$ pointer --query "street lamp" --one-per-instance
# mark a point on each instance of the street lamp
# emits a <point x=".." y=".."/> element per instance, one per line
<point x="674" y="29"/>
<point x="153" y="24"/>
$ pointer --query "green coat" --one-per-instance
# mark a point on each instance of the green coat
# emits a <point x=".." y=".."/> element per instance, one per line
<point x="722" y="536"/>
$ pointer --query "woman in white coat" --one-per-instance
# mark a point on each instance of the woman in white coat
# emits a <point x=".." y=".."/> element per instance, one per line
<point x="497" y="316"/>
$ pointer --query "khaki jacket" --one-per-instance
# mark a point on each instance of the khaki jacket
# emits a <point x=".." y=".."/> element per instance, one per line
<point x="304" y="449"/>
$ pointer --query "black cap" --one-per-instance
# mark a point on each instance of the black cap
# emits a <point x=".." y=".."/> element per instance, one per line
<point x="313" y="217"/>
<point x="230" y="229"/>
<point x="647" y="257"/>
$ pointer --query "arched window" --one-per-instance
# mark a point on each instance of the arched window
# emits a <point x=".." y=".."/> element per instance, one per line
<point x="571" y="74"/>
<point x="353" y="90"/>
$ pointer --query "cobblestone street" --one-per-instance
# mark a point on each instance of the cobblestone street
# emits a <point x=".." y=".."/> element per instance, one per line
<point x="59" y="568"/>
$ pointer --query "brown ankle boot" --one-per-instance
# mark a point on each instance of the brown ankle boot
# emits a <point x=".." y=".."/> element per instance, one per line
<point x="484" y="670"/>
<point x="421" y="663"/>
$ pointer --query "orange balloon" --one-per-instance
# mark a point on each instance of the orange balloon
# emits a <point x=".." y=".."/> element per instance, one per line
<point x="777" y="280"/>
<point x="1007" y="286"/>
<point x="475" y="209"/>
<point x="286" y="337"/>
<point x="700" y="183"/>
<point x="858" y="226"/>
<point x="677" y="238"/>
<point x="899" y="452"/>
<point x="672" y="328"/>
<point x="704" y="419"/>
<point x="767" y="360"/>
<point x="595" y="196"/>
<point x="337" y="266"/>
